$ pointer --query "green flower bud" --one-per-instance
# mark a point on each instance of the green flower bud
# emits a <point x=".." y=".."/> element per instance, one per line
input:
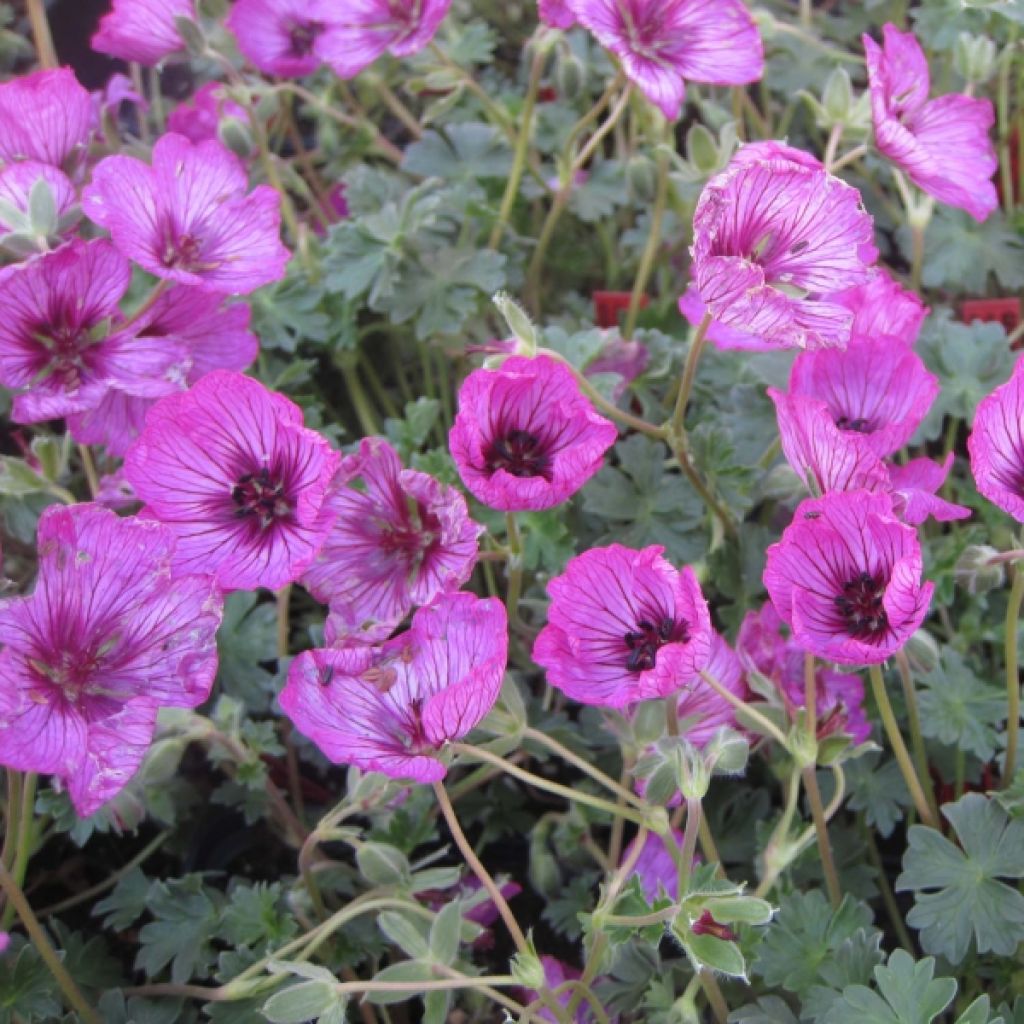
<point x="923" y="651"/>
<point x="837" y="96"/>
<point x="570" y="75"/>
<point x="191" y="35"/>
<point x="528" y="970"/>
<point x="235" y="134"/>
<point x="702" y="149"/>
<point x="975" y="572"/>
<point x="642" y="178"/>
<point x="974" y="57"/>
<point x="781" y="483"/>
<point x="519" y="323"/>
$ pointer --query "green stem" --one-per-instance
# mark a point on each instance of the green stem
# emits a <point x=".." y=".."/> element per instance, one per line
<point x="23" y="847"/>
<point x="916" y="736"/>
<point x="832" y="146"/>
<point x="71" y="992"/>
<point x="719" y="1007"/>
<point x="1003" y="119"/>
<point x="748" y="709"/>
<point x="650" y="253"/>
<point x="513" y="567"/>
<point x="1012" y="674"/>
<point x="848" y="158"/>
<point x="89" y="469"/>
<point x="774" y="864"/>
<point x="899" y="748"/>
<point x="891" y="906"/>
<point x="688" y="847"/>
<point x="572" y="795"/>
<point x="363" y="410"/>
<point x="522" y="147"/>
<point x="583" y="765"/>
<point x="828" y="864"/>
<point x="806" y="15"/>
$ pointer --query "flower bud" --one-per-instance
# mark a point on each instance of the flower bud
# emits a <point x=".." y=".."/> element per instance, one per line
<point x="975" y="571"/>
<point x="782" y="483"/>
<point x="191" y="35"/>
<point x="923" y="651"/>
<point x="648" y="722"/>
<point x="837" y="96"/>
<point x="701" y="149"/>
<point x="642" y="178"/>
<point x="528" y="970"/>
<point x="570" y="75"/>
<point x="235" y="134"/>
<point x="974" y="57"/>
<point x="519" y="323"/>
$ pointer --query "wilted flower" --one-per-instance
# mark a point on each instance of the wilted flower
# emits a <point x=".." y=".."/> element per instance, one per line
<point x="556" y="13"/>
<point x="188" y="217"/>
<point x="366" y="29"/>
<point x="230" y="468"/>
<point x="773" y="239"/>
<point x="623" y="626"/>
<point x="54" y="340"/>
<point x="106" y="639"/>
<point x="825" y="457"/>
<point x="16" y="183"/>
<point x="143" y="31"/>
<point x="943" y="143"/>
<point x="390" y="708"/>
<point x="846" y="578"/>
<point x="996" y="445"/>
<point x="206" y="334"/>
<point x="399" y="537"/>
<point x="44" y="116"/>
<point x="198" y="118"/>
<point x="876" y="388"/>
<point x="663" y="42"/>
<point x="524" y="436"/>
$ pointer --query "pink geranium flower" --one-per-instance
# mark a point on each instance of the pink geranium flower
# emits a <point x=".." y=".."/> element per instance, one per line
<point x="188" y="217"/>
<point x="524" y="436"/>
<point x="623" y="626"/>
<point x="391" y="708"/>
<point x="773" y="239"/>
<point x="702" y="711"/>
<point x="846" y="578"/>
<point x="942" y="144"/>
<point x="45" y="116"/>
<point x="839" y="700"/>
<point x="883" y="308"/>
<point x="230" y="468"/>
<point x="106" y="639"/>
<point x="914" y="488"/>
<point x="663" y="42"/>
<point x="197" y="119"/>
<point x="876" y="388"/>
<point x="825" y="457"/>
<point x="283" y="37"/>
<point x="206" y="334"/>
<point x="54" y="341"/>
<point x="398" y="539"/>
<point x="366" y="29"/>
<point x="143" y="31"/>
<point x="996" y="445"/>
<point x="556" y="13"/>
<point x="16" y="183"/>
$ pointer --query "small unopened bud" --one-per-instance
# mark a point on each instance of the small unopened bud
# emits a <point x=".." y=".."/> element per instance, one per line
<point x="191" y="35"/>
<point x="570" y="75"/>
<point x="923" y="651"/>
<point x="974" y="58"/>
<point x="702" y="149"/>
<point x="837" y="96"/>
<point x="519" y="323"/>
<point x="528" y="970"/>
<point x="235" y="134"/>
<point x="975" y="571"/>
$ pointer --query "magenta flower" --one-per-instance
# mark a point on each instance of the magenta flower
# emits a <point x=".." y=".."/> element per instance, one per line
<point x="772" y="240"/>
<point x="876" y="388"/>
<point x="207" y="335"/>
<point x="283" y="37"/>
<point x="701" y="710"/>
<point x="188" y="218"/>
<point x="524" y="436"/>
<point x="883" y="308"/>
<point x="390" y="708"/>
<point x="106" y="639"/>
<point x="45" y="116"/>
<point x="996" y="445"/>
<point x="142" y="30"/>
<point x="16" y="181"/>
<point x="914" y="488"/>
<point x="53" y="341"/>
<point x="825" y="457"/>
<point x="663" y="42"/>
<point x="942" y="144"/>
<point x="846" y="578"/>
<point x="623" y="626"/>
<point x="398" y="539"/>
<point x="556" y="13"/>
<point x="656" y="866"/>
<point x="556" y="974"/>
<point x="230" y="468"/>
<point x="197" y="119"/>
<point x="627" y="359"/>
<point x="366" y="29"/>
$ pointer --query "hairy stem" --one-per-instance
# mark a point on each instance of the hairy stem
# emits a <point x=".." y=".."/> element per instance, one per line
<point x="916" y="736"/>
<point x="828" y="864"/>
<point x="1012" y="675"/>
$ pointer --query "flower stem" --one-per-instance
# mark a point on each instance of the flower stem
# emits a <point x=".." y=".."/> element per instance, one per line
<point x="41" y="34"/>
<point x="522" y="147"/>
<point x="650" y="249"/>
<point x="1003" y="119"/>
<point x="89" y="469"/>
<point x="774" y="865"/>
<point x="832" y="146"/>
<point x="828" y="864"/>
<point x="361" y="404"/>
<point x="583" y="765"/>
<point x="916" y="736"/>
<point x="806" y="14"/>
<point x="767" y="724"/>
<point x="884" y="887"/>
<point x="719" y="1007"/>
<point x="688" y="847"/>
<point x="1012" y="675"/>
<point x="71" y="992"/>
<point x="848" y="158"/>
<point x="23" y="846"/>
<point x="513" y="567"/>
<point x="576" y="795"/>
<point x="899" y="748"/>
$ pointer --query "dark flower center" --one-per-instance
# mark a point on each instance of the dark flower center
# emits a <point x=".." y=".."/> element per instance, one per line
<point x="411" y="538"/>
<point x="856" y="423"/>
<point x="301" y="37"/>
<point x="66" y="347"/>
<point x="259" y="496"/>
<point x="182" y="252"/>
<point x="860" y="605"/>
<point x="520" y="453"/>
<point x="648" y="638"/>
